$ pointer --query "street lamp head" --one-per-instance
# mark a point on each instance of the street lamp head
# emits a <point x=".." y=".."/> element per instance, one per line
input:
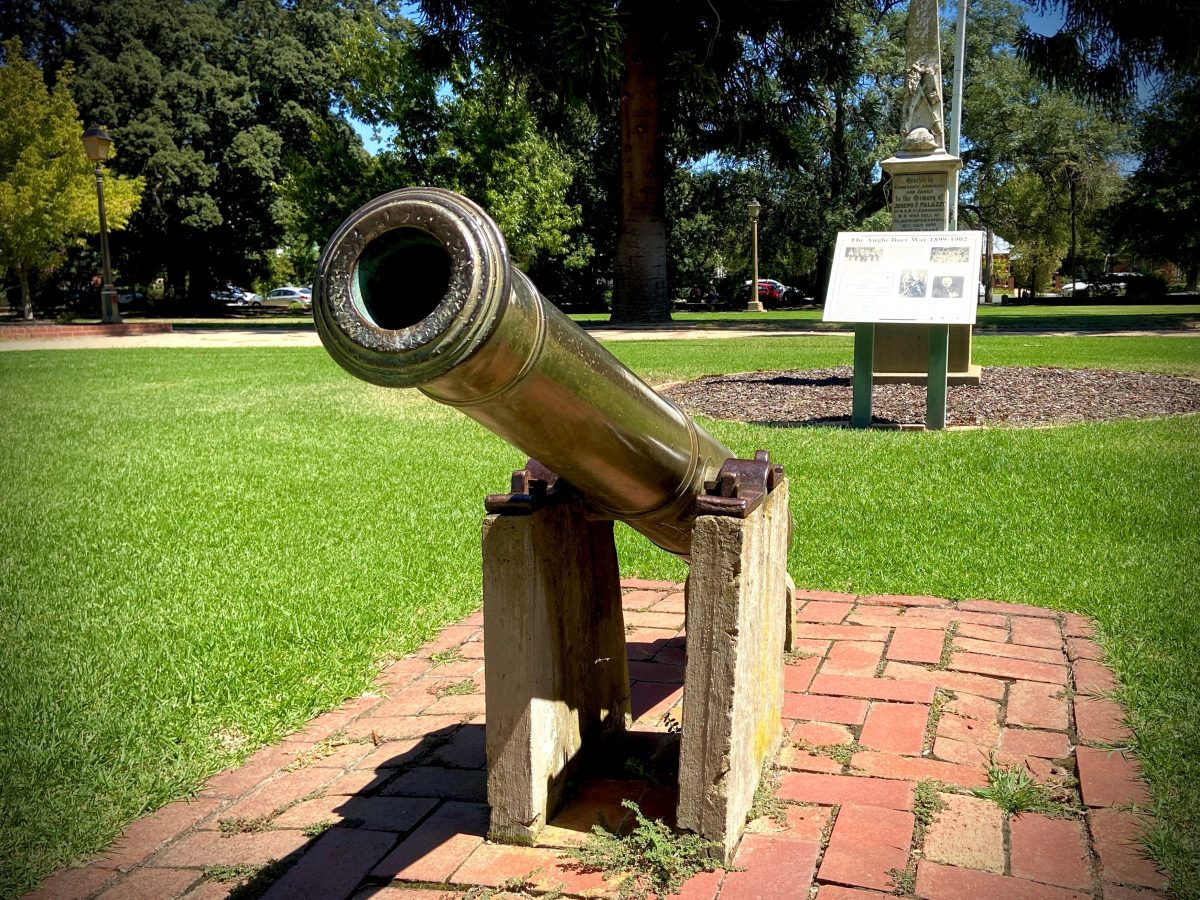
<point x="752" y="209"/>
<point x="96" y="143"/>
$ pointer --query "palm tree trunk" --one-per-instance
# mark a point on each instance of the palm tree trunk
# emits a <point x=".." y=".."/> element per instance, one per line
<point x="640" y="283"/>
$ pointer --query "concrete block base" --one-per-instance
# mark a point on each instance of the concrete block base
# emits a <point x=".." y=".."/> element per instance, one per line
<point x="554" y="658"/>
<point x="737" y="611"/>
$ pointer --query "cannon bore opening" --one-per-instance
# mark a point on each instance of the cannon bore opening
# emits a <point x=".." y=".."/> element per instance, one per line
<point x="401" y="277"/>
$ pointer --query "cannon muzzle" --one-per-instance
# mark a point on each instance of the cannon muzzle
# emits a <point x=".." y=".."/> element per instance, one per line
<point x="416" y="289"/>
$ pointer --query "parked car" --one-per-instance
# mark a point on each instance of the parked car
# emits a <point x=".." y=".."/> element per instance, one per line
<point x="231" y="295"/>
<point x="286" y="296"/>
<point x="1071" y="288"/>
<point x="771" y="293"/>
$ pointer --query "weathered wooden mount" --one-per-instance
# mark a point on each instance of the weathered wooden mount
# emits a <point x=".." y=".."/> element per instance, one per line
<point x="555" y="658"/>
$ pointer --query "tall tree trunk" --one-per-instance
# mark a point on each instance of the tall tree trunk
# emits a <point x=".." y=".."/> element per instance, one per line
<point x="640" y="283"/>
<point x="26" y="294"/>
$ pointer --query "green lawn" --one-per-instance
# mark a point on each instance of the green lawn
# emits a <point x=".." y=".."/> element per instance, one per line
<point x="203" y="548"/>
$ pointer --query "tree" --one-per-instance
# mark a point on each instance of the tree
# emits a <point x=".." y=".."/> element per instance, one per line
<point x="1157" y="219"/>
<point x="678" y="76"/>
<point x="47" y="190"/>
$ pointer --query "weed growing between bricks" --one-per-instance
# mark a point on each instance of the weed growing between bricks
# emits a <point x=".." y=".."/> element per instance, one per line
<point x="927" y="803"/>
<point x="446" y="657"/>
<point x="765" y="803"/>
<point x="321" y="750"/>
<point x="840" y="753"/>
<point x="650" y="860"/>
<point x="948" y="646"/>
<point x="466" y="686"/>
<point x="941" y="697"/>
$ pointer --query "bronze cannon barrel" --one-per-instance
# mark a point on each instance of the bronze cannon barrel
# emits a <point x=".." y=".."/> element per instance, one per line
<point x="416" y="289"/>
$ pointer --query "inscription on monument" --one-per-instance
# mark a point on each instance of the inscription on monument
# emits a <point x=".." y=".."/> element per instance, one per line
<point x="919" y="202"/>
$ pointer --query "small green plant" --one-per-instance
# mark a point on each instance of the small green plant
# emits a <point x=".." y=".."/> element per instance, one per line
<point x="466" y="686"/>
<point x="445" y="657"/>
<point x="651" y="859"/>
<point x="841" y="753"/>
<point x="1014" y="790"/>
<point x="244" y="825"/>
<point x="765" y="803"/>
<point x="226" y="874"/>
<point x="318" y="751"/>
<point x="316" y="829"/>
<point x="794" y="656"/>
<point x="941" y="697"/>
<point x="948" y="645"/>
<point x="904" y="881"/>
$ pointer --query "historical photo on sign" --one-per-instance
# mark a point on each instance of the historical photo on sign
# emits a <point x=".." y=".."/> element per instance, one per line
<point x="912" y="282"/>
<point x="948" y="286"/>
<point x="905" y="276"/>
<point x="949" y="254"/>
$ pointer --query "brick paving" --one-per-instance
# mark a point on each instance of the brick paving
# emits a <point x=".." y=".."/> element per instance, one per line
<point x="894" y="709"/>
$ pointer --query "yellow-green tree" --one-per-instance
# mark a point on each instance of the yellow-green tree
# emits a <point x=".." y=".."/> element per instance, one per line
<point x="47" y="188"/>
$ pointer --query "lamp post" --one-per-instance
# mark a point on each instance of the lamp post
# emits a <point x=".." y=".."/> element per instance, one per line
<point x="96" y="143"/>
<point x="752" y="210"/>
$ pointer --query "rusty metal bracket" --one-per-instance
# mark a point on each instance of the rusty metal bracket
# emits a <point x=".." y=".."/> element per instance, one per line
<point x="740" y="486"/>
<point x="533" y="487"/>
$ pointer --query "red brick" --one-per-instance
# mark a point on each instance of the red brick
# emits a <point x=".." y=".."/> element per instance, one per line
<point x="967" y="832"/>
<point x="1116" y="835"/>
<point x="821" y="734"/>
<point x="472" y="650"/>
<point x="448" y="637"/>
<point x="458" y="705"/>
<point x="650" y="700"/>
<point x="938" y="882"/>
<point x="983" y="632"/>
<point x="1037" y="705"/>
<point x="151" y="884"/>
<point x="1012" y="651"/>
<point x="1120" y="892"/>
<point x="831" y="596"/>
<point x="1082" y="648"/>
<point x="982" y="733"/>
<point x="839" y="632"/>
<point x="913" y="645"/>
<point x="1015" y="609"/>
<point x="71" y="884"/>
<point x="261" y="765"/>
<point x="216" y="890"/>
<point x="803" y="823"/>
<point x="797" y="676"/>
<point x="640" y="670"/>
<point x="675" y="602"/>
<point x="645" y="643"/>
<point x="1101" y="721"/>
<point x="211" y="848"/>
<point x="703" y="886"/>
<point x="791" y="756"/>
<point x="953" y="681"/>
<point x="334" y="866"/>
<point x="393" y="754"/>
<point x="541" y="869"/>
<point x="772" y="868"/>
<point x="453" y="671"/>
<point x="642" y="599"/>
<point x="1109" y="778"/>
<point x="831" y="790"/>
<point x="387" y="728"/>
<point x="1001" y="667"/>
<point x="1092" y="677"/>
<point x="837" y="892"/>
<point x="961" y="752"/>
<point x="1053" y="851"/>
<point x="1079" y="626"/>
<point x="946" y="616"/>
<point x="845" y="710"/>
<point x="328" y="723"/>
<point x="1036" y="633"/>
<point x="650" y="585"/>
<point x="357" y="781"/>
<point x="883" y="617"/>
<point x="901" y="600"/>
<point x="1020" y="742"/>
<point x="889" y="765"/>
<point x="667" y="620"/>
<point x="436" y="781"/>
<point x="465" y="750"/>
<point x="145" y="836"/>
<point x="971" y="707"/>
<point x="866" y="844"/>
<point x="438" y="846"/>
<point x="872" y="688"/>
<point x="816" y="648"/>
<point x="282" y="791"/>
<point x="394" y="814"/>
<point x="823" y="611"/>
<point x="333" y="757"/>
<point x="853" y="658"/>
<point x="895" y="727"/>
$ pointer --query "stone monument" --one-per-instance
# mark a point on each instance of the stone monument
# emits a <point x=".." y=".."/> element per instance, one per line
<point x="921" y="173"/>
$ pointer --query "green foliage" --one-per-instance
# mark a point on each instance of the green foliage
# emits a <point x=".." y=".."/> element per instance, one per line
<point x="47" y="188"/>
<point x="650" y="860"/>
<point x="1014" y="790"/>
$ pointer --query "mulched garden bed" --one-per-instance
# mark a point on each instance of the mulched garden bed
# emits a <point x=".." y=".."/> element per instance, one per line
<point x="1013" y="396"/>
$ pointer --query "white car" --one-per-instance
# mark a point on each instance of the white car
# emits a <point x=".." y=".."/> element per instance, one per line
<point x="1071" y="288"/>
<point x="286" y="296"/>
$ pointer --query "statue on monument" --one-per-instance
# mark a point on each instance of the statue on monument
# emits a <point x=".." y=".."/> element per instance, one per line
<point x="924" y="131"/>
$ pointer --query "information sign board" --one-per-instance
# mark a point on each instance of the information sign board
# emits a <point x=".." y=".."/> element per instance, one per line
<point x="929" y="277"/>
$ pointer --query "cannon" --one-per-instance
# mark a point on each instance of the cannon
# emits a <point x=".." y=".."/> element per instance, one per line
<point x="415" y="289"/>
